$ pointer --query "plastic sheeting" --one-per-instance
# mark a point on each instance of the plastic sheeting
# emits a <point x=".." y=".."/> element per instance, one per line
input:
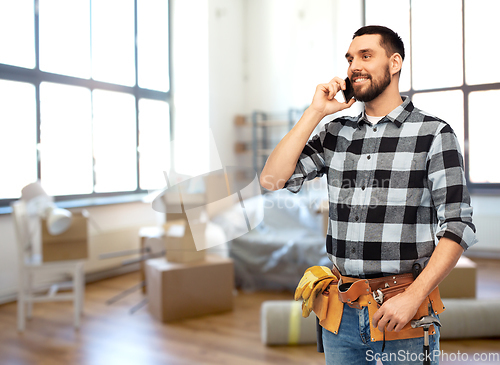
<point x="275" y="254"/>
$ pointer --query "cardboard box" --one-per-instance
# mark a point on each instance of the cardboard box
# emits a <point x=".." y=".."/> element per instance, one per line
<point x="179" y="242"/>
<point x="145" y="234"/>
<point x="461" y="281"/>
<point x="178" y="291"/>
<point x="69" y="245"/>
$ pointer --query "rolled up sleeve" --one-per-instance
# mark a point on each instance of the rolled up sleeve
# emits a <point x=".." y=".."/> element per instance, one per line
<point x="449" y="191"/>
<point x="311" y="163"/>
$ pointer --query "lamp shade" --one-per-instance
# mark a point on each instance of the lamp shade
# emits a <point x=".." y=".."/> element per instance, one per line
<point x="32" y="191"/>
<point x="58" y="220"/>
<point x="40" y="204"/>
<point x="37" y="200"/>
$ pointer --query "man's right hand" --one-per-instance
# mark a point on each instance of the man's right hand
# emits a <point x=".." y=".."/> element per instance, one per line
<point x="324" y="101"/>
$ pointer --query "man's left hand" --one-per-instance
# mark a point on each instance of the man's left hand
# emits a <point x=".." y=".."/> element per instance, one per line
<point x="396" y="312"/>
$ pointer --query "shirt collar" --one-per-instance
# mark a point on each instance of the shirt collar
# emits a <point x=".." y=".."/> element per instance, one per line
<point x="397" y="116"/>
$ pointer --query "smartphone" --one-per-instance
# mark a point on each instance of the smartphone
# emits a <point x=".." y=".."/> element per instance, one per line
<point x="349" y="91"/>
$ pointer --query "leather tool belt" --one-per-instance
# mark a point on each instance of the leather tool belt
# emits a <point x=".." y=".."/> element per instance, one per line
<point x="371" y="293"/>
<point x="382" y="289"/>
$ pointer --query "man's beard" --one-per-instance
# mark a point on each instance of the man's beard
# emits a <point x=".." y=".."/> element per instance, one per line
<point x="376" y="88"/>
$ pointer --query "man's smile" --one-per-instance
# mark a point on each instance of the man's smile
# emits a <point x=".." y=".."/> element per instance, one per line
<point x="360" y="79"/>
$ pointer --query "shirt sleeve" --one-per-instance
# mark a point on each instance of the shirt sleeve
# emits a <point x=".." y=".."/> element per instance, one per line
<point x="311" y="163"/>
<point x="449" y="190"/>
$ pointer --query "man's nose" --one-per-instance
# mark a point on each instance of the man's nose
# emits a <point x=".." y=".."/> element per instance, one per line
<point x="355" y="65"/>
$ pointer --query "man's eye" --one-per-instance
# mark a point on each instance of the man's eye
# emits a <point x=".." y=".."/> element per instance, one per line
<point x="366" y="56"/>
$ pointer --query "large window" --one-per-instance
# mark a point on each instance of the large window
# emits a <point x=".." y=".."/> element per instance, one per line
<point x="450" y="71"/>
<point x="84" y="97"/>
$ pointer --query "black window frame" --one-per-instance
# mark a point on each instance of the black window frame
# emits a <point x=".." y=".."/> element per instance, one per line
<point x="476" y="188"/>
<point x="35" y="76"/>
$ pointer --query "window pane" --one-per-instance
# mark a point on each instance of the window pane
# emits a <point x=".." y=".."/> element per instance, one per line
<point x="66" y="139"/>
<point x="115" y="152"/>
<point x="377" y="14"/>
<point x="152" y="44"/>
<point x="113" y="41"/>
<point x="483" y="136"/>
<point x="18" y="137"/>
<point x="65" y="37"/>
<point x="17" y="33"/>
<point x="154" y="143"/>
<point x="438" y="104"/>
<point x="481" y="31"/>
<point x="437" y="43"/>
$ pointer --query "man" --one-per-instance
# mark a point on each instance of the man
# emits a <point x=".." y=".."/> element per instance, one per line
<point x="396" y="187"/>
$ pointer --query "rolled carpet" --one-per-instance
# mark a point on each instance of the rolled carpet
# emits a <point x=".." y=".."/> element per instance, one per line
<point x="282" y="324"/>
<point x="470" y="318"/>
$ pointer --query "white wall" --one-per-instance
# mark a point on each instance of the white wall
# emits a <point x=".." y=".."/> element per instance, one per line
<point x="208" y="80"/>
<point x="226" y="84"/>
<point x="190" y="85"/>
<point x="290" y="48"/>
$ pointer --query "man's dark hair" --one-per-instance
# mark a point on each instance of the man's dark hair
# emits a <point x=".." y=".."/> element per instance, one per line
<point x="391" y="41"/>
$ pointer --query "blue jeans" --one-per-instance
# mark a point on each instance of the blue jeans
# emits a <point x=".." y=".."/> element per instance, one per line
<point x="352" y="344"/>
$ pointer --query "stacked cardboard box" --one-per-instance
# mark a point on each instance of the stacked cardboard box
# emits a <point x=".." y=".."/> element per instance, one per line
<point x="186" y="282"/>
<point x="179" y="232"/>
<point x="184" y="290"/>
<point x="179" y="241"/>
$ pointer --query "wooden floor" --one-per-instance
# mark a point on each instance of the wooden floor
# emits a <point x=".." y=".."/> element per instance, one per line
<point x="111" y="335"/>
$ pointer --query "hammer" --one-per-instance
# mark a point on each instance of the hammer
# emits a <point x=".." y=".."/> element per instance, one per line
<point x="426" y="322"/>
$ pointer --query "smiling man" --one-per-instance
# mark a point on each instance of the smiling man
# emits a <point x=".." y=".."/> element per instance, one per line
<point x="397" y="199"/>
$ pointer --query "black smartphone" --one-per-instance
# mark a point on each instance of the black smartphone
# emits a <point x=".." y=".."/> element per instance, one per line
<point x="349" y="91"/>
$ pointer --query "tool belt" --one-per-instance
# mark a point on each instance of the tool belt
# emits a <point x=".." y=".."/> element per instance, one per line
<point x="371" y="293"/>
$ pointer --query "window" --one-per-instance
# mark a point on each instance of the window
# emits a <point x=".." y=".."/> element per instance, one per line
<point x="84" y="97"/>
<point x="447" y="70"/>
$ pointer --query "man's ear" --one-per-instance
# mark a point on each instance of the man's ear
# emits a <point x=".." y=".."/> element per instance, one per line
<point x="396" y="63"/>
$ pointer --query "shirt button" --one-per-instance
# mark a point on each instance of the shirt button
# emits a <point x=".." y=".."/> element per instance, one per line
<point x="353" y="250"/>
<point x="368" y="157"/>
<point x="363" y="188"/>
<point x="375" y="129"/>
<point x="356" y="218"/>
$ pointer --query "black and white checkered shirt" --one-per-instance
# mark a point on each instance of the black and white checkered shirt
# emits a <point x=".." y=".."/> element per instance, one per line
<point x="394" y="188"/>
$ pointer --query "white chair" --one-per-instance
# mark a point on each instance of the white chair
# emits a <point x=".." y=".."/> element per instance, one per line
<point x="31" y="265"/>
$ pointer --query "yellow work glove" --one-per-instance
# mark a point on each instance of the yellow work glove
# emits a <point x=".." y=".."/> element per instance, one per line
<point x="314" y="281"/>
<point x="307" y="304"/>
